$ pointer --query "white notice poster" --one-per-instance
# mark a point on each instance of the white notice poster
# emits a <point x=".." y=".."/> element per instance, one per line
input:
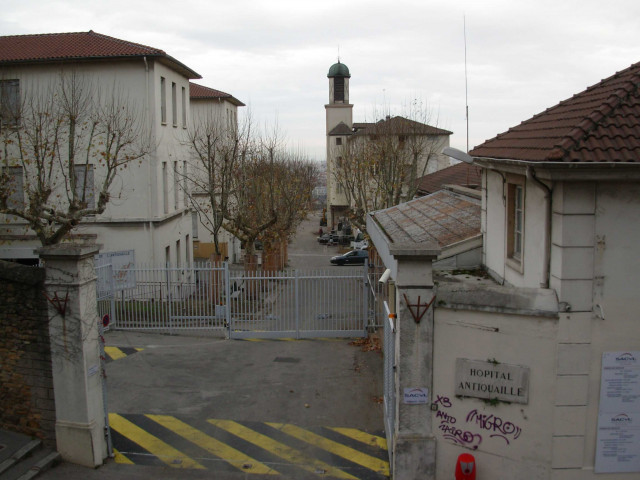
<point x="618" y="444"/>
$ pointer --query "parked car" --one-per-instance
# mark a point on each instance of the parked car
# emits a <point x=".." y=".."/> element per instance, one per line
<point x="354" y="257"/>
<point x="324" y="238"/>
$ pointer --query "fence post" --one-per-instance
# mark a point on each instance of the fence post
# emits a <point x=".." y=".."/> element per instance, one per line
<point x="75" y="353"/>
<point x="365" y="294"/>
<point x="227" y="294"/>
<point x="297" y="295"/>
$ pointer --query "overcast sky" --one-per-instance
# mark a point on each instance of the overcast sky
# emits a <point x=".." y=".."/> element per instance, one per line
<point x="522" y="56"/>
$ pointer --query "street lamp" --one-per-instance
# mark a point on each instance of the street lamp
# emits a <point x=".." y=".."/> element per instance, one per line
<point x="457" y="154"/>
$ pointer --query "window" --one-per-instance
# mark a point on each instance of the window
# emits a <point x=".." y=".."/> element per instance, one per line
<point x="515" y="221"/>
<point x="338" y="89"/>
<point x="84" y="184"/>
<point x="187" y="248"/>
<point x="194" y="224"/>
<point x="178" y="259"/>
<point x="163" y="100"/>
<point x="185" y="196"/>
<point x="9" y="102"/>
<point x="165" y="187"/>
<point x="184" y="107"/>
<point x="174" y="104"/>
<point x="176" y="186"/>
<point x="338" y="141"/>
<point x="15" y="187"/>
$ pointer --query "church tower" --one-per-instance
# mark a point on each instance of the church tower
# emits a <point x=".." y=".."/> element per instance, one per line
<point x="339" y="116"/>
<point x="339" y="109"/>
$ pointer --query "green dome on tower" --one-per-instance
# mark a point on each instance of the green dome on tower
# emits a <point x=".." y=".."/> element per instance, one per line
<point x="339" y="70"/>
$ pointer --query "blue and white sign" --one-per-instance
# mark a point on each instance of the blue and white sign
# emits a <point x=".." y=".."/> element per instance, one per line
<point x="416" y="396"/>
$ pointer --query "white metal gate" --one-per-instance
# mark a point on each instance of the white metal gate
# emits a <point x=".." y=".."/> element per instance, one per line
<point x="289" y="304"/>
<point x="299" y="304"/>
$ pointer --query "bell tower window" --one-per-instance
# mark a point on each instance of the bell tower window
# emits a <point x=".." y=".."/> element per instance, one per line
<point x="338" y="89"/>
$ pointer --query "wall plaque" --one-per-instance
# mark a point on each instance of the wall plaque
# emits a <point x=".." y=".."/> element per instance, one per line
<point x="492" y="380"/>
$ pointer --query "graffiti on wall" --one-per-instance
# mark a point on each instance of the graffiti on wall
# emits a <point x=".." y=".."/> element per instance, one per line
<point x="475" y="426"/>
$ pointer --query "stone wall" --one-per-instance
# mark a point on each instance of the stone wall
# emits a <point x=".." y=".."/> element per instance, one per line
<point x="26" y="385"/>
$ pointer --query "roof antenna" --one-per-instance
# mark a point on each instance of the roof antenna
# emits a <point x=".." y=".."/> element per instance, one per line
<point x="338" y="53"/>
<point x="466" y="95"/>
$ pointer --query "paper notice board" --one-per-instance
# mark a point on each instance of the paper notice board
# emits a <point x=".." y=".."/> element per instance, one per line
<point x="618" y="443"/>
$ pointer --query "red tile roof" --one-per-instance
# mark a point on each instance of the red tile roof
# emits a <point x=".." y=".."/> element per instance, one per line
<point x="398" y="126"/>
<point x="200" y="92"/>
<point x="79" y="46"/>
<point x="601" y="124"/>
<point x="461" y="174"/>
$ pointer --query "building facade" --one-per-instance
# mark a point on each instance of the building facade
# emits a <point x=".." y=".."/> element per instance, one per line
<point x="530" y="366"/>
<point x="148" y="211"/>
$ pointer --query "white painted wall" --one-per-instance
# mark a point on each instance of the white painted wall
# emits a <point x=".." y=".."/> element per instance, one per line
<point x="517" y="340"/>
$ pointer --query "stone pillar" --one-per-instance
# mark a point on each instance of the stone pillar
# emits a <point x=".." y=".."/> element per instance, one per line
<point x="414" y="445"/>
<point x="73" y="326"/>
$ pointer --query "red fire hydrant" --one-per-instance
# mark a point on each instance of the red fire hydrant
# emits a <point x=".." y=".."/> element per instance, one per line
<point x="466" y="467"/>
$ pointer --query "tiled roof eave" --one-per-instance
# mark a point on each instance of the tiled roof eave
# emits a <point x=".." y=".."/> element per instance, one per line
<point x="166" y="59"/>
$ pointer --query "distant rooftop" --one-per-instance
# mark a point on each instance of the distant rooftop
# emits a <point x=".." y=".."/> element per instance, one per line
<point x="600" y="124"/>
<point x="443" y="218"/>
<point x="461" y="174"/>
<point x="199" y="92"/>
<point x="79" y="46"/>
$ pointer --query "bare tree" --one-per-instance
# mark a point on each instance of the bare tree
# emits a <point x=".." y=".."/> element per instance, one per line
<point x="218" y="149"/>
<point x="381" y="162"/>
<point x="68" y="140"/>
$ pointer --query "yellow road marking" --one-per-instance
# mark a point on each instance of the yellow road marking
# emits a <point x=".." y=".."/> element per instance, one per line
<point x="279" y="449"/>
<point x="212" y="445"/>
<point x="139" y="349"/>
<point x="351" y="454"/>
<point x="155" y="446"/>
<point x="115" y="353"/>
<point x="359" y="435"/>
<point x="120" y="458"/>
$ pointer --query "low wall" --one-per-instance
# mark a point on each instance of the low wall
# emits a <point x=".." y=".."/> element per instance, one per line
<point x="27" y="402"/>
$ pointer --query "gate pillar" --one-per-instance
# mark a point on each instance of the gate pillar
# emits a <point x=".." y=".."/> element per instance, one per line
<point x="414" y="445"/>
<point x="70" y="287"/>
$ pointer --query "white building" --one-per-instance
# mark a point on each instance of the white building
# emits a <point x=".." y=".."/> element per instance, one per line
<point x="147" y="211"/>
<point x="534" y="371"/>
<point x="340" y="129"/>
<point x="217" y="111"/>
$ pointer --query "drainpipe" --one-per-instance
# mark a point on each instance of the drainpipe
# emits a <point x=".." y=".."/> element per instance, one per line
<point x="546" y="273"/>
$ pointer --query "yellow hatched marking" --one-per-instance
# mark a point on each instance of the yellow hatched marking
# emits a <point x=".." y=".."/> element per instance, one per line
<point x="360" y="436"/>
<point x="212" y="445"/>
<point x="351" y="454"/>
<point x="153" y="445"/>
<point x="120" y="458"/>
<point x="115" y="353"/>
<point x="279" y="449"/>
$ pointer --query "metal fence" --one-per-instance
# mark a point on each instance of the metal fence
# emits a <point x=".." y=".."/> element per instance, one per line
<point x="389" y="379"/>
<point x="299" y="304"/>
<point x="163" y="298"/>
<point x="293" y="304"/>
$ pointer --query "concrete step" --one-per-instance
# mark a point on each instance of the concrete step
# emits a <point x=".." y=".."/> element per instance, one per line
<point x="28" y="461"/>
<point x="15" y="448"/>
